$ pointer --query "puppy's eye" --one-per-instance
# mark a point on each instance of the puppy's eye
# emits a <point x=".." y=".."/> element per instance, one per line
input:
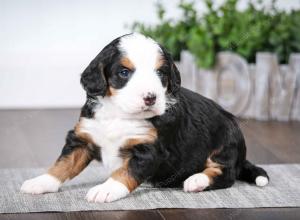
<point x="124" y="73"/>
<point x="159" y="73"/>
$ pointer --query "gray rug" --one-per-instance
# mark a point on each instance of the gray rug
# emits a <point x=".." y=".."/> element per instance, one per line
<point x="283" y="191"/>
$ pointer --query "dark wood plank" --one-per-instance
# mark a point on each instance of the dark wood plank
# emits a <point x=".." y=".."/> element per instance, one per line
<point x="232" y="214"/>
<point x="272" y="142"/>
<point x="172" y="214"/>
<point x="34" y="137"/>
<point x="106" y="215"/>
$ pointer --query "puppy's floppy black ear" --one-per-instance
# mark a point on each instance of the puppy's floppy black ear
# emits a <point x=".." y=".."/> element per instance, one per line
<point x="174" y="79"/>
<point x="174" y="75"/>
<point x="93" y="78"/>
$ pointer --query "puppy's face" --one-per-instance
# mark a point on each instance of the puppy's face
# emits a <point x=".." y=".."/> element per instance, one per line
<point x="135" y="73"/>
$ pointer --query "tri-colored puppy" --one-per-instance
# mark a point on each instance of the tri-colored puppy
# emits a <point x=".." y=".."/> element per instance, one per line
<point x="143" y="126"/>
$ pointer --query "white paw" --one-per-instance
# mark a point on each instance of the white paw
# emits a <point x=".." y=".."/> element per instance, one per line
<point x="196" y="183"/>
<point x="108" y="191"/>
<point x="261" y="181"/>
<point x="41" y="184"/>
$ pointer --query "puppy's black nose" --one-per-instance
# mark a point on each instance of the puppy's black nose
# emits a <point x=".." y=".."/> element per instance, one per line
<point x="150" y="99"/>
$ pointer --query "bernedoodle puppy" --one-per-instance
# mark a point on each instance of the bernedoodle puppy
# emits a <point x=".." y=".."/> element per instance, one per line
<point x="144" y="127"/>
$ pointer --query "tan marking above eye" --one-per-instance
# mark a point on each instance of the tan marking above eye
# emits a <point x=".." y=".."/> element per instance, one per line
<point x="159" y="62"/>
<point x="126" y="62"/>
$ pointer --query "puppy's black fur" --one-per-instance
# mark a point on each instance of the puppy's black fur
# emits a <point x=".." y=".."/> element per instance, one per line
<point x="190" y="132"/>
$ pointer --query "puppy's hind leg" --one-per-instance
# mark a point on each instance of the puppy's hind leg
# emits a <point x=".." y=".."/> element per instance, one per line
<point x="204" y="180"/>
<point x="216" y="175"/>
<point x="75" y="156"/>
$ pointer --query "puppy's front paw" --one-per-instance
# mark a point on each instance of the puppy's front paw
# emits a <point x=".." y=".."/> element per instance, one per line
<point x="196" y="183"/>
<point x="109" y="191"/>
<point x="41" y="184"/>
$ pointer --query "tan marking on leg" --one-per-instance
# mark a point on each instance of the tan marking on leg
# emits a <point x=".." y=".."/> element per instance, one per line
<point x="216" y="152"/>
<point x="70" y="165"/>
<point x="212" y="169"/>
<point x="82" y="135"/>
<point x="122" y="175"/>
<point x="212" y="164"/>
<point x="149" y="138"/>
<point x="126" y="62"/>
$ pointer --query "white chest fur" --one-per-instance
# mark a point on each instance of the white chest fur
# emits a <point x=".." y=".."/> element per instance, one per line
<point x="110" y="129"/>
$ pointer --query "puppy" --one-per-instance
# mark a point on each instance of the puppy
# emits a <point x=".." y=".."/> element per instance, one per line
<point x="143" y="126"/>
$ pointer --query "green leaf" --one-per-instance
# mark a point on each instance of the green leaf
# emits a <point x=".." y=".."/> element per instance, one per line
<point x="225" y="28"/>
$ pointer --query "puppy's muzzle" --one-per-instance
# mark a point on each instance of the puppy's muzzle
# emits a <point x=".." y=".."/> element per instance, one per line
<point x="150" y="99"/>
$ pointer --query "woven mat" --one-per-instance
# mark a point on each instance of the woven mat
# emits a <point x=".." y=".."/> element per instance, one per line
<point x="282" y="191"/>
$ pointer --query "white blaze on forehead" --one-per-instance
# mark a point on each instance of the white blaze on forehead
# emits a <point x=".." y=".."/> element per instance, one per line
<point x="142" y="51"/>
<point x="145" y="55"/>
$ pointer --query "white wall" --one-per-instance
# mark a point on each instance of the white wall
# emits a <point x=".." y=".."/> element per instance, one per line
<point x="45" y="45"/>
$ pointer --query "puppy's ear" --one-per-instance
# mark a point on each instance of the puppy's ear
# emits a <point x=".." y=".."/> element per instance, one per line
<point x="174" y="81"/>
<point x="93" y="79"/>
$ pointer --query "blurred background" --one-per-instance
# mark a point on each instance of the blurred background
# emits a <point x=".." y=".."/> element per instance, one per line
<point x="243" y="54"/>
<point x="45" y="45"/>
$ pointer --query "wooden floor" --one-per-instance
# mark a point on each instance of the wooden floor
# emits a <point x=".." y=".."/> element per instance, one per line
<point x="34" y="138"/>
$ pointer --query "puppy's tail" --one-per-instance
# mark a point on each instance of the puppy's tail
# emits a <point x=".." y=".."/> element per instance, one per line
<point x="253" y="174"/>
